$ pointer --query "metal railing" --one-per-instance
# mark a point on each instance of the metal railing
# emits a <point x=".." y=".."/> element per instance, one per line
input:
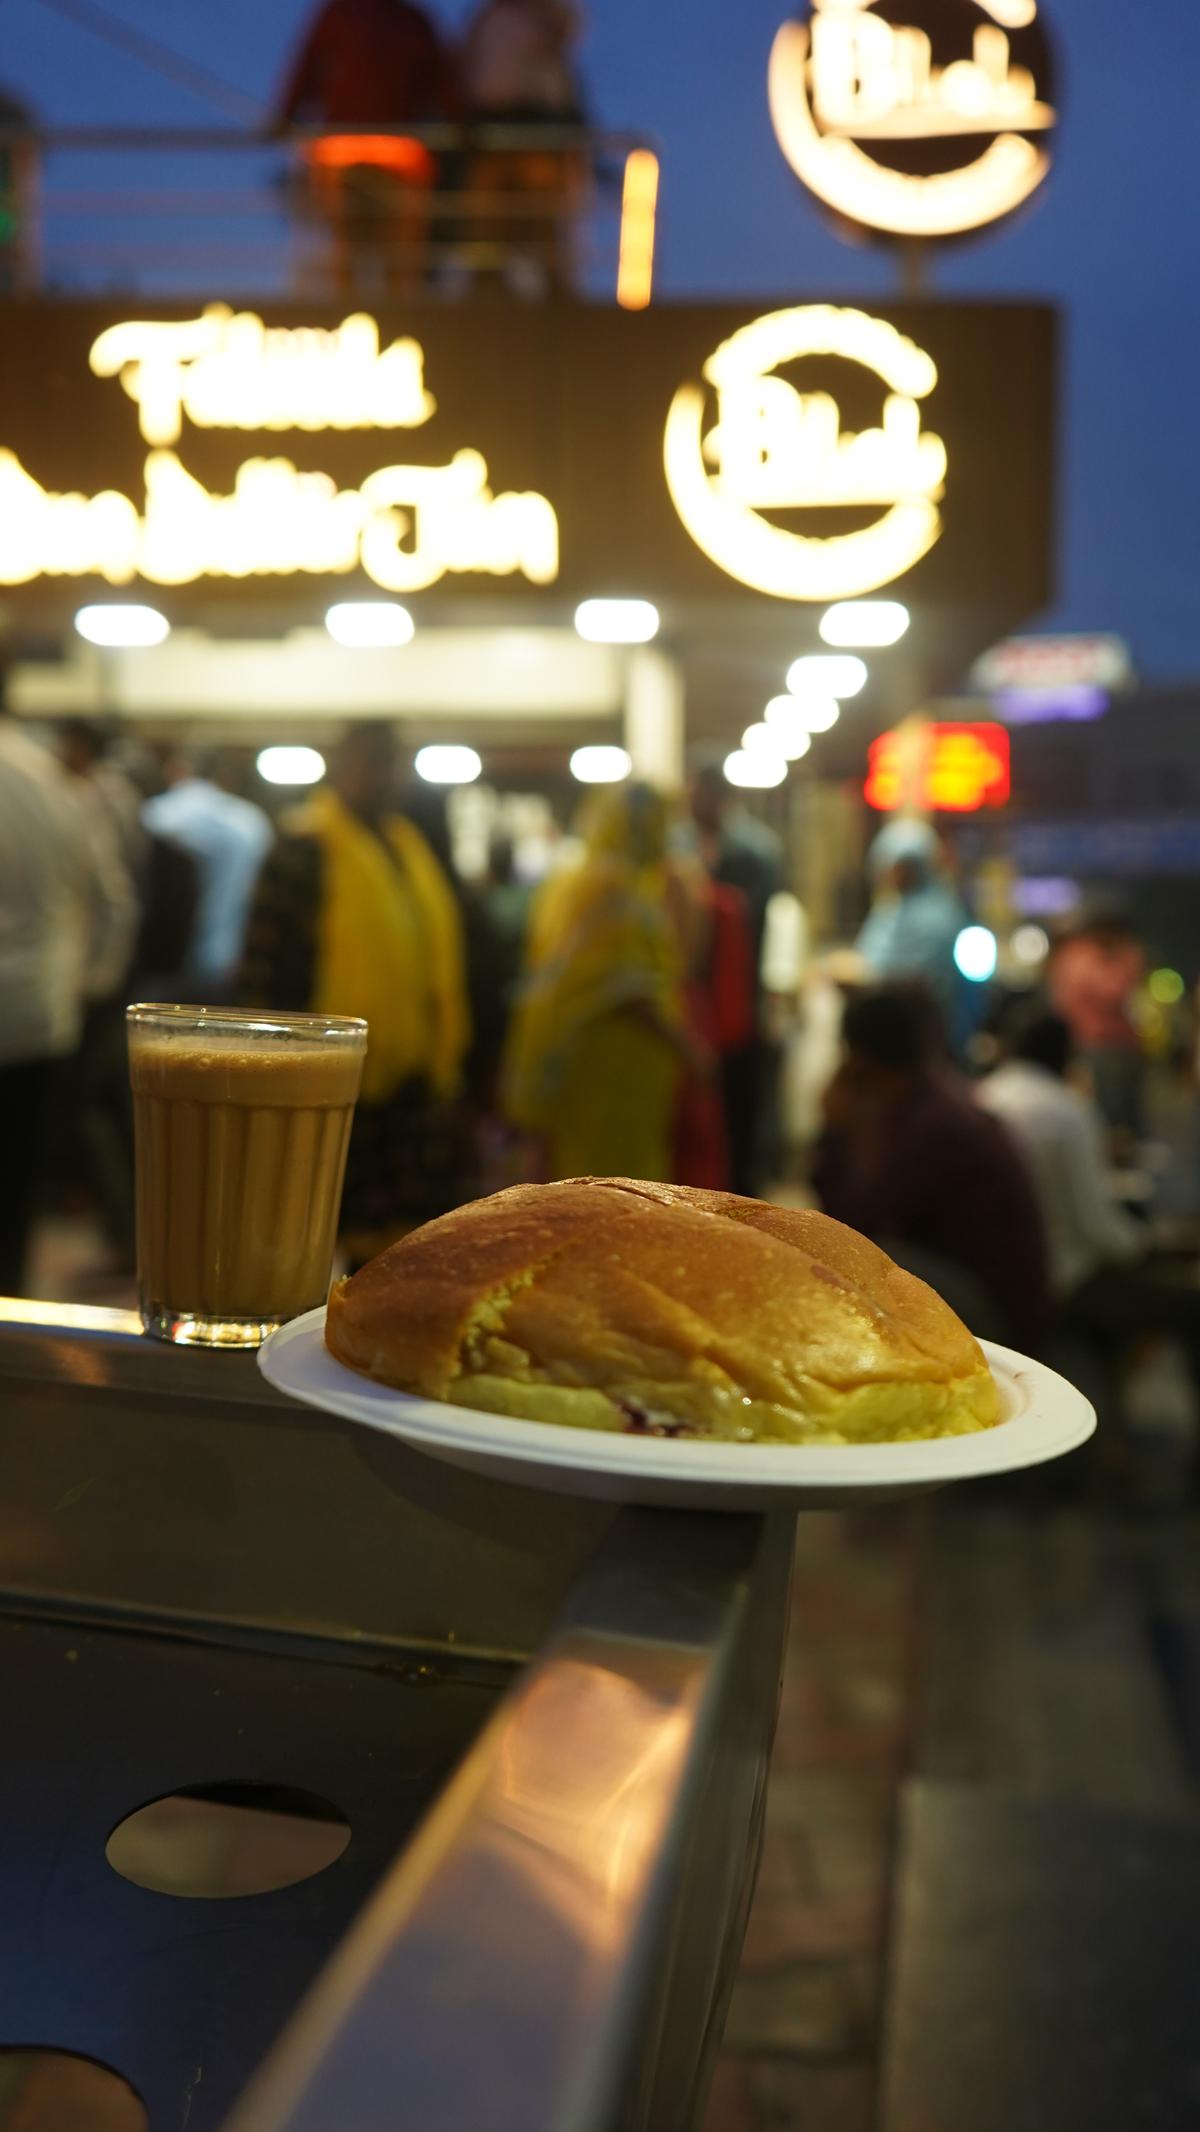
<point x="547" y="1722"/>
<point x="365" y="213"/>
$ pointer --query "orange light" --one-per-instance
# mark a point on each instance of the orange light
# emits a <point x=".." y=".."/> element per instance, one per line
<point x="639" y="209"/>
<point x="884" y="787"/>
<point x="384" y="151"/>
<point x="960" y="768"/>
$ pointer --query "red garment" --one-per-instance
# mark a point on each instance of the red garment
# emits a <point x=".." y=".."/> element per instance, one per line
<point x="720" y="1007"/>
<point x="370" y="63"/>
<point x="731" y="986"/>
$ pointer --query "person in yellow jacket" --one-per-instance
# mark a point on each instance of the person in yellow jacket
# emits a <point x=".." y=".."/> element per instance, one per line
<point x="353" y="914"/>
<point x="600" y="1036"/>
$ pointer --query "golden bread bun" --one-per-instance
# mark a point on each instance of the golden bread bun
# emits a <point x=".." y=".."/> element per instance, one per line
<point x="608" y="1304"/>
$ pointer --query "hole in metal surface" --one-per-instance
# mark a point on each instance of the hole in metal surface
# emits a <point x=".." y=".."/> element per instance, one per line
<point x="219" y="1840"/>
<point x="55" y="2091"/>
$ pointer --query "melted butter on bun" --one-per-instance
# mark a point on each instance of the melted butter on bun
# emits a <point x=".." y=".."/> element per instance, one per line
<point x="606" y="1303"/>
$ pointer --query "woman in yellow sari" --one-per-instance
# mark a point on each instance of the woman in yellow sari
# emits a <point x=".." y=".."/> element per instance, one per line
<point x="599" y="1037"/>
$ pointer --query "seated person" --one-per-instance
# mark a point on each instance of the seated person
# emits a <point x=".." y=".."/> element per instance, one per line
<point x="908" y="1157"/>
<point x="1108" y="1291"/>
<point x="1061" y="1135"/>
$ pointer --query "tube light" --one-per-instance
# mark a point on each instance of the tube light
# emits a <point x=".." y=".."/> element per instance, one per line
<point x="616" y="621"/>
<point x="122" y="628"/>
<point x="790" y="742"/>
<point x="754" y="770"/>
<point x="291" y="766"/>
<point x="639" y="208"/>
<point x="370" y="625"/>
<point x="824" y="674"/>
<point x="601" y="766"/>
<point x="861" y="625"/>
<point x="441" y="765"/>
<point x="802" y="714"/>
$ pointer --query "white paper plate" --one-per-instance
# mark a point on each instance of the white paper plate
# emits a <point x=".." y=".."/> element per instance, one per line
<point x="1043" y="1418"/>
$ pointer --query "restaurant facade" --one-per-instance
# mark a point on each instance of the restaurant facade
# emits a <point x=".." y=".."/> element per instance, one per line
<point x="490" y="466"/>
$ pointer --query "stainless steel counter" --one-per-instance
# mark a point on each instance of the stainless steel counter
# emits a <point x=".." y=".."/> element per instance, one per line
<point x="546" y="1724"/>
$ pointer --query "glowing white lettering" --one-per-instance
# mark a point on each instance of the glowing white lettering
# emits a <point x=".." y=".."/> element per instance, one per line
<point x="774" y="447"/>
<point x="779" y="448"/>
<point x="227" y="370"/>
<point x="873" y="81"/>
<point x="850" y="78"/>
<point x="408" y="526"/>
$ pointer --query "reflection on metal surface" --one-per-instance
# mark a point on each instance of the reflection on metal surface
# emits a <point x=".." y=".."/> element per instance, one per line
<point x="583" y="1781"/>
<point x="55" y="2091"/>
<point x="216" y="1841"/>
<point x="68" y="1317"/>
<point x="553" y="1947"/>
<point x="83" y="1336"/>
<point x="540" y="1899"/>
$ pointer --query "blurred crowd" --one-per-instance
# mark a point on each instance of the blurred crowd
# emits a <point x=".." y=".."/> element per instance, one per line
<point x="614" y="1019"/>
<point x="651" y="1007"/>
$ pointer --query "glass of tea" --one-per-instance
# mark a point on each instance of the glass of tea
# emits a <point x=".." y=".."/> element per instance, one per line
<point x="241" y="1123"/>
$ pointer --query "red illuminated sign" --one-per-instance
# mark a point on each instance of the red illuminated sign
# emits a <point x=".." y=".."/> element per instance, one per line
<point x="946" y="769"/>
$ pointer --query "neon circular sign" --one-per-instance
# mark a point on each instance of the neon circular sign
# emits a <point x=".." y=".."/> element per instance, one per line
<point x="917" y="118"/>
<point x="779" y="447"/>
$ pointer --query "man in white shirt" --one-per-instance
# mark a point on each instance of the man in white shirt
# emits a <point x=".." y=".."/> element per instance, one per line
<point x="64" y="914"/>
<point x="1109" y="1291"/>
<point x="1061" y="1136"/>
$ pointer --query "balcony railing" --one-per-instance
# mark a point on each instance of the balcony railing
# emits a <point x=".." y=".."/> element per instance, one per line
<point x="363" y="212"/>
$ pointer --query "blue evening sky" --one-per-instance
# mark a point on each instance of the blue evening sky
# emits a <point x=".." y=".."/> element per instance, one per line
<point x="1112" y="239"/>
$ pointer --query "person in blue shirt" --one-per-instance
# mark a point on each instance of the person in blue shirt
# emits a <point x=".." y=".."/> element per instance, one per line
<point x="229" y="838"/>
<point x="916" y="916"/>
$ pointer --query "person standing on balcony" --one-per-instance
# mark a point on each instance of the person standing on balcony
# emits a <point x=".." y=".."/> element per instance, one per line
<point x="366" y="63"/>
<point x="518" y="69"/>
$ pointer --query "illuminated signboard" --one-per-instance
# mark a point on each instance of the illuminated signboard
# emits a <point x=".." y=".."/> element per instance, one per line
<point x="405" y="525"/>
<point x="510" y="454"/>
<point x="1054" y="663"/>
<point x="778" y="447"/>
<point x="950" y="769"/>
<point x="927" y="126"/>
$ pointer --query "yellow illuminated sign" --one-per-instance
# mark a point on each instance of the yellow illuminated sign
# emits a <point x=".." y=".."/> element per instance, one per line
<point x="775" y="447"/>
<point x="407" y="526"/>
<point x="849" y="82"/>
<point x="227" y="370"/>
<point x="639" y="210"/>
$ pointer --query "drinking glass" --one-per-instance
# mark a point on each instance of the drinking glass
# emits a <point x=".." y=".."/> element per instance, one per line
<point x="241" y="1125"/>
